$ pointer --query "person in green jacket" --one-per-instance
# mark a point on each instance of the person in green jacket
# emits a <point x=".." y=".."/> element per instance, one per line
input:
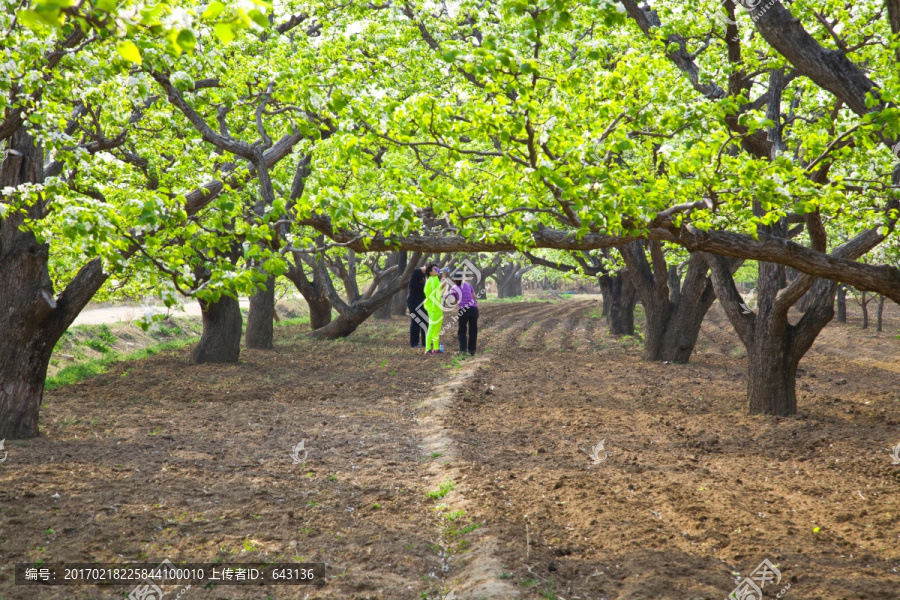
<point x="434" y="308"/>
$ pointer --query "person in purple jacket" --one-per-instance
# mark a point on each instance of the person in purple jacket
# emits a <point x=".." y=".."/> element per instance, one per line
<point x="464" y="294"/>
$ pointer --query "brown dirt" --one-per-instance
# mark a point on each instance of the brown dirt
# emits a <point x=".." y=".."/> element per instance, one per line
<point x="159" y="459"/>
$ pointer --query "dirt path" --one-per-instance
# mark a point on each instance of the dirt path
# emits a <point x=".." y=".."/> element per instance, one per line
<point x="161" y="459"/>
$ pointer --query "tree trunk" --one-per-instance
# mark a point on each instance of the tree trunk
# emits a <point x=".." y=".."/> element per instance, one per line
<point x="619" y="298"/>
<point x="480" y="288"/>
<point x="772" y="372"/>
<point x="343" y="325"/>
<point x="313" y="292"/>
<point x="774" y="346"/>
<point x="351" y="316"/>
<point x="842" y="304"/>
<point x="221" y="338"/>
<point x="384" y="311"/>
<point x="865" y="310"/>
<point x="880" y="312"/>
<point x="31" y="319"/>
<point x="674" y="311"/>
<point x="319" y="312"/>
<point x="398" y="302"/>
<point x="695" y="298"/>
<point x="261" y="319"/>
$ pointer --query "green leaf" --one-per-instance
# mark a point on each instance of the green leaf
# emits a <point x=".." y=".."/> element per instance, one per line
<point x="29" y="18"/>
<point x="225" y="32"/>
<point x="259" y="18"/>
<point x="186" y="39"/>
<point x="106" y="5"/>
<point x="213" y="10"/>
<point x="129" y="51"/>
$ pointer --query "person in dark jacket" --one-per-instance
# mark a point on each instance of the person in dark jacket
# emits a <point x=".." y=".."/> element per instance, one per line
<point x="415" y="302"/>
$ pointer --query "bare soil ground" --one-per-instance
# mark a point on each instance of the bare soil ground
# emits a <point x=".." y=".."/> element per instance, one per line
<point x="160" y="459"/>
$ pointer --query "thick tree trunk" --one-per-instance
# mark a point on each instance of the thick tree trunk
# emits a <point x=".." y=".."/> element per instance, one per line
<point x="343" y="325"/>
<point x="351" y="316"/>
<point x="398" y="302"/>
<point x="619" y="298"/>
<point x="695" y="298"/>
<point x="880" y="313"/>
<point x="313" y="292"/>
<point x="221" y="338"/>
<point x="261" y="319"/>
<point x="480" y="289"/>
<point x="772" y="372"/>
<point x="31" y="319"/>
<point x="774" y="346"/>
<point x="674" y="312"/>
<point x="842" y="304"/>
<point x="319" y="312"/>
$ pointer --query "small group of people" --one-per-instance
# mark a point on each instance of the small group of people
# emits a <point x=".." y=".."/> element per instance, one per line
<point x="429" y="293"/>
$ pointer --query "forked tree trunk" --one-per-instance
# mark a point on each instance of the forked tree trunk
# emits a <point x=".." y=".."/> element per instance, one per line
<point x="313" y="292"/>
<point x="261" y="318"/>
<point x="674" y="311"/>
<point x="619" y="298"/>
<point x="31" y="319"/>
<point x="221" y="338"/>
<point x="842" y="304"/>
<point x="774" y="346"/>
<point x="352" y="315"/>
<point x="880" y="312"/>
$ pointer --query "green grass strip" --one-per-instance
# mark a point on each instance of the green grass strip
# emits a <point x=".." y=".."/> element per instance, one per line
<point x="96" y="366"/>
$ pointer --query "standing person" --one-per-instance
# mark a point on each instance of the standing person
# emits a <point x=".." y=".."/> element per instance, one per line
<point x="418" y="320"/>
<point x="433" y="304"/>
<point x="468" y="314"/>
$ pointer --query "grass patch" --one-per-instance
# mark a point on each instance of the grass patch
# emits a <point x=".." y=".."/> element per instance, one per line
<point x="443" y="489"/>
<point x="96" y="366"/>
<point x="293" y="321"/>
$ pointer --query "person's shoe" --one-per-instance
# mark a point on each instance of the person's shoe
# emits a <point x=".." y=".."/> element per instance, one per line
<point x="472" y="354"/>
<point x="462" y="353"/>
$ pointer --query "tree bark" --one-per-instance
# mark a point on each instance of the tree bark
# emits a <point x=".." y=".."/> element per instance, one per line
<point x="352" y="315"/>
<point x="31" y="319"/>
<point x="385" y="311"/>
<point x="880" y="313"/>
<point x="674" y="312"/>
<point x="261" y="319"/>
<point x="774" y="346"/>
<point x="509" y="280"/>
<point x="619" y="298"/>
<point x="313" y="292"/>
<point x="864" y="303"/>
<point x="221" y="339"/>
<point x="842" y="304"/>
